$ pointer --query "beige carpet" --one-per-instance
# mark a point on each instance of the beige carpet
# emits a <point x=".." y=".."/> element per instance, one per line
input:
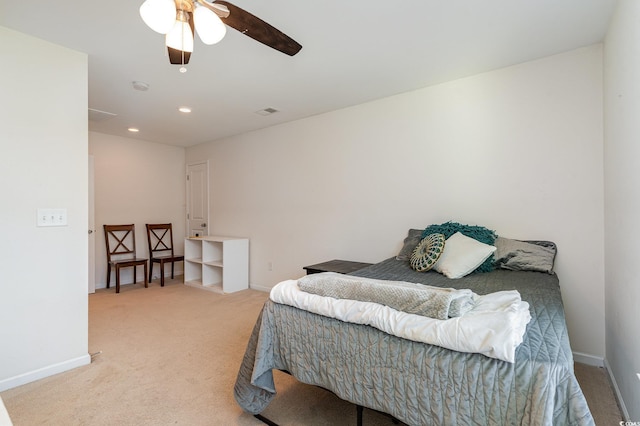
<point x="169" y="356"/>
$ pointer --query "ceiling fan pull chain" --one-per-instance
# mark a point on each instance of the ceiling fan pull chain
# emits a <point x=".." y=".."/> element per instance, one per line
<point x="183" y="69"/>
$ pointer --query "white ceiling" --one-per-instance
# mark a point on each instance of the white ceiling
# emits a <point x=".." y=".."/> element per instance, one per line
<point x="353" y="52"/>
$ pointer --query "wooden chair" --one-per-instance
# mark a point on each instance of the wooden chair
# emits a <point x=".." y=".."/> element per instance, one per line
<point x="121" y="252"/>
<point x="160" y="240"/>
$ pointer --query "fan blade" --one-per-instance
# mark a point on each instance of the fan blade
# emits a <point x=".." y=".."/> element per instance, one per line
<point x="254" y="27"/>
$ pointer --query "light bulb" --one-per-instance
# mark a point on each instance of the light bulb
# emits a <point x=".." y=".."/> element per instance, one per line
<point x="159" y="15"/>
<point x="181" y="37"/>
<point x="209" y="26"/>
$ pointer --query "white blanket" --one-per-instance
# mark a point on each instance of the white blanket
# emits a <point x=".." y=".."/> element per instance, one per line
<point x="494" y="327"/>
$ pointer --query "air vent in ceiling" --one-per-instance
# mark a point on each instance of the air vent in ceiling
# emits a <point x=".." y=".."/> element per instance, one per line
<point x="97" y="115"/>
<point x="267" y="111"/>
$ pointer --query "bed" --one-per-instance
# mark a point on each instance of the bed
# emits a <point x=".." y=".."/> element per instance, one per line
<point x="419" y="383"/>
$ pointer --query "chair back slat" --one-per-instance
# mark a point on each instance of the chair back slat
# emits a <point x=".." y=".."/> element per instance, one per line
<point x="120" y="241"/>
<point x="160" y="239"/>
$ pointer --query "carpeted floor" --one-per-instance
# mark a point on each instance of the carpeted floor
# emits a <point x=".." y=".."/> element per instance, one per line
<point x="169" y="356"/>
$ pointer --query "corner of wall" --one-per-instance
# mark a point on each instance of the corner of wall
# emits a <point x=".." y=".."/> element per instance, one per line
<point x="616" y="390"/>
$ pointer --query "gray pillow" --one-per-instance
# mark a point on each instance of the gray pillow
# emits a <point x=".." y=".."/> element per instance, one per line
<point x="410" y="243"/>
<point x="518" y="255"/>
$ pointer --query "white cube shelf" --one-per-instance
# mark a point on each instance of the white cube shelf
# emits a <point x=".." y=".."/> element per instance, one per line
<point x="219" y="264"/>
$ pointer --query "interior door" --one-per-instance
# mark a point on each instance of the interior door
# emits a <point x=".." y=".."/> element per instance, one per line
<point x="92" y="232"/>
<point x="198" y="199"/>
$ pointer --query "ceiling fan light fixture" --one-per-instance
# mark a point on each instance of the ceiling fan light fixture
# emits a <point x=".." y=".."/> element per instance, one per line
<point x="181" y="36"/>
<point x="179" y="20"/>
<point x="159" y="15"/>
<point x="209" y="26"/>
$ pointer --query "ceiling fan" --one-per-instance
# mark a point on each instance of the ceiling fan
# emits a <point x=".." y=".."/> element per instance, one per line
<point x="179" y="19"/>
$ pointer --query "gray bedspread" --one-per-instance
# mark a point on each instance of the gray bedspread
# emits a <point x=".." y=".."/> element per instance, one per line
<point x="417" y="383"/>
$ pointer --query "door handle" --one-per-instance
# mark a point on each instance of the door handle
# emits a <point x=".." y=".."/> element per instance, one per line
<point x="90" y="231"/>
<point x="204" y="225"/>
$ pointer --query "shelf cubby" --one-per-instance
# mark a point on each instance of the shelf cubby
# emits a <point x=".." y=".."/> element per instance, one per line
<point x="219" y="264"/>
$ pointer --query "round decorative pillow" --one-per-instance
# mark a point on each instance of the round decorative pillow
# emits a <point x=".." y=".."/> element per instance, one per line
<point x="427" y="252"/>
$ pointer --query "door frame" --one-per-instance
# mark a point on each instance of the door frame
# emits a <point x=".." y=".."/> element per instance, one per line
<point x="91" y="232"/>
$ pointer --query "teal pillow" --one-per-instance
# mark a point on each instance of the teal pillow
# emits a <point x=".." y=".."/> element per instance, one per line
<point x="479" y="233"/>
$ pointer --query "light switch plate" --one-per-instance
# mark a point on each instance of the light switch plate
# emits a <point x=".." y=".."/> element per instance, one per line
<point x="51" y="217"/>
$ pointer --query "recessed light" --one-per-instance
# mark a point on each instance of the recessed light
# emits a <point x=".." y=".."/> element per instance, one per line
<point x="184" y="109"/>
<point x="133" y="130"/>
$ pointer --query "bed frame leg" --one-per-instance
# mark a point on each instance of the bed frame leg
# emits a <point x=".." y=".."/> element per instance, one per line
<point x="265" y="420"/>
<point x="359" y="415"/>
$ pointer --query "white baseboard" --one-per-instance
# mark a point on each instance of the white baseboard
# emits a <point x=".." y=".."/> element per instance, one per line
<point x="616" y="390"/>
<point x="602" y="362"/>
<point x="41" y="373"/>
<point x="592" y="360"/>
<point x="167" y="275"/>
<point x="5" y="420"/>
<point x="260" y="288"/>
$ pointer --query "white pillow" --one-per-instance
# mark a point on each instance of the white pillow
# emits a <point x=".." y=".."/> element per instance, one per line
<point x="462" y="255"/>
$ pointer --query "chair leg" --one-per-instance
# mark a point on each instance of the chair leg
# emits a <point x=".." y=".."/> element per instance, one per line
<point x="161" y="273"/>
<point x="150" y="271"/>
<point x="146" y="283"/>
<point x="135" y="278"/>
<point x="172" y="268"/>
<point x="117" y="279"/>
<point x="108" y="275"/>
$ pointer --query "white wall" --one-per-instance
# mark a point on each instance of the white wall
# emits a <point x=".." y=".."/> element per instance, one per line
<point x="136" y="182"/>
<point x="518" y="150"/>
<point x="43" y="164"/>
<point x="622" y="201"/>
